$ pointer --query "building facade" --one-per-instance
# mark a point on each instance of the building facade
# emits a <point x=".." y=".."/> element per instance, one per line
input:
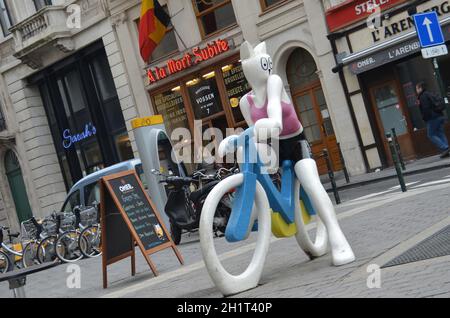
<point x="70" y="88"/>
<point x="379" y="62"/>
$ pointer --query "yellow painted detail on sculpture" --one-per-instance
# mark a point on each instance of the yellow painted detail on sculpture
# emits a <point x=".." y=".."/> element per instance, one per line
<point x="280" y="228"/>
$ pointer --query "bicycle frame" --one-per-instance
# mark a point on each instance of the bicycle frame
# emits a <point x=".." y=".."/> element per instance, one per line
<point x="283" y="202"/>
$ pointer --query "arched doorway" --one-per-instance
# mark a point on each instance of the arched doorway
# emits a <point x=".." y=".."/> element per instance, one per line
<point x="311" y="106"/>
<point x="17" y="186"/>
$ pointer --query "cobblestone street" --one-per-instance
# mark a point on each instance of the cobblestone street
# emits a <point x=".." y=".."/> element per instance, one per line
<point x="379" y="221"/>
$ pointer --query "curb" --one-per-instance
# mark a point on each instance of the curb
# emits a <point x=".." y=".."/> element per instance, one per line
<point x="393" y="176"/>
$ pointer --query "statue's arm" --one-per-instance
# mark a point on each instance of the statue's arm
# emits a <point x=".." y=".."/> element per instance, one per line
<point x="245" y="110"/>
<point x="274" y="94"/>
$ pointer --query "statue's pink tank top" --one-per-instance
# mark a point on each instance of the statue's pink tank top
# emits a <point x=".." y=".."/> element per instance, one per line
<point x="291" y="123"/>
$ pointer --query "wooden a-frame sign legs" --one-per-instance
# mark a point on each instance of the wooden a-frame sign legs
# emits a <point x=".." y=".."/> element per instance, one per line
<point x="129" y="217"/>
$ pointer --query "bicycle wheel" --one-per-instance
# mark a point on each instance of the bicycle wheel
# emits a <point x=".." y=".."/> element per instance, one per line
<point x="227" y="283"/>
<point x="312" y="247"/>
<point x="29" y="257"/>
<point x="90" y="242"/>
<point x="47" y="250"/>
<point x="67" y="247"/>
<point x="5" y="263"/>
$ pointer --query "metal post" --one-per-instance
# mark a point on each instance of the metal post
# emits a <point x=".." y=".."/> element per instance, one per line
<point x="398" y="168"/>
<point x="331" y="175"/>
<point x="398" y="149"/>
<point x="347" y="176"/>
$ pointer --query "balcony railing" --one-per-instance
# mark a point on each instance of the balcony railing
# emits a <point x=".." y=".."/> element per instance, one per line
<point x="46" y="27"/>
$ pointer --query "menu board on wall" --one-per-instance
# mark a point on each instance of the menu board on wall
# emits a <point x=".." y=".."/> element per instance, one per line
<point x="128" y="215"/>
<point x="171" y="106"/>
<point x="237" y="86"/>
<point x="205" y="98"/>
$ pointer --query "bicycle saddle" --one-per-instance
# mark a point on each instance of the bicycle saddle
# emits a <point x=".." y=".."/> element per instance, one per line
<point x="196" y="195"/>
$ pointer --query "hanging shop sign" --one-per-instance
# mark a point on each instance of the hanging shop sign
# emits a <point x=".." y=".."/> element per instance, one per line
<point x="191" y="58"/>
<point x="69" y="140"/>
<point x="353" y="11"/>
<point x="392" y="54"/>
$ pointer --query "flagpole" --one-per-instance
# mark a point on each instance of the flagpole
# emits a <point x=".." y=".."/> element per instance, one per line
<point x="175" y="29"/>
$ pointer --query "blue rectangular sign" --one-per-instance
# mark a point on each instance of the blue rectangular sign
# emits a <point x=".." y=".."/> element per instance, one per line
<point x="429" y="29"/>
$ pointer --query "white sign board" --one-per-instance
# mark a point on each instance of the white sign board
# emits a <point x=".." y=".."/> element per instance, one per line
<point x="434" y="51"/>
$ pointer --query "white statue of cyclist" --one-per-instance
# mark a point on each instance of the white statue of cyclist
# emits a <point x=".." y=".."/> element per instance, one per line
<point x="269" y="110"/>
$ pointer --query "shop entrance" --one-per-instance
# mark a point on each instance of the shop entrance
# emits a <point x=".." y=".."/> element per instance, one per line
<point x="390" y="113"/>
<point x="17" y="187"/>
<point x="312" y="108"/>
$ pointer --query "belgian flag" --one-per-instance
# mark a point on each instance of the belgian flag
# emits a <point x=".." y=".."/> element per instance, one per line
<point x="152" y="27"/>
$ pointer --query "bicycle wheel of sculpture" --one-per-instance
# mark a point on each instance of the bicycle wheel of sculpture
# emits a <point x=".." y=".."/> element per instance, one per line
<point x="312" y="237"/>
<point x="227" y="283"/>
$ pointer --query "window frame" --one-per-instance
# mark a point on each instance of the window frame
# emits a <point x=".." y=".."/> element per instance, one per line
<point x="47" y="3"/>
<point x="265" y="7"/>
<point x="199" y="15"/>
<point x="6" y="32"/>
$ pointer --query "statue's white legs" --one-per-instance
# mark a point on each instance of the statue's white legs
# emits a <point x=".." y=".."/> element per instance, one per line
<point x="308" y="175"/>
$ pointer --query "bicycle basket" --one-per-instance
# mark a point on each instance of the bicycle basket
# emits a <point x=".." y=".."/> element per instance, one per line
<point x="28" y="229"/>
<point x="68" y="221"/>
<point x="88" y="216"/>
<point x="49" y="226"/>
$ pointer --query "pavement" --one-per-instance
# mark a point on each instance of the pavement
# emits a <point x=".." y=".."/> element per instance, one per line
<point x="412" y="167"/>
<point x="380" y="223"/>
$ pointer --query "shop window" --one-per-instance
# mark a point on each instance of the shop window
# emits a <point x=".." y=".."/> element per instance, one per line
<point x="123" y="145"/>
<point x="302" y="70"/>
<point x="105" y="84"/>
<point x="5" y="18"/>
<point x="168" y="44"/>
<point x="214" y="15"/>
<point x="268" y="4"/>
<point x="410" y="73"/>
<point x="171" y="106"/>
<point x="204" y="95"/>
<point x="39" y="4"/>
<point x="237" y="86"/>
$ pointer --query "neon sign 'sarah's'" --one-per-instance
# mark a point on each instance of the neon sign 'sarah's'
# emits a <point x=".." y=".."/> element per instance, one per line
<point x="189" y="59"/>
<point x="69" y="140"/>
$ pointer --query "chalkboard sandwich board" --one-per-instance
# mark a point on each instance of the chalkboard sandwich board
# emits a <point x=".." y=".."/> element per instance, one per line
<point x="129" y="217"/>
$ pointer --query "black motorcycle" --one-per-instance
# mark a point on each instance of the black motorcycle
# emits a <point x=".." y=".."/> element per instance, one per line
<point x="186" y="196"/>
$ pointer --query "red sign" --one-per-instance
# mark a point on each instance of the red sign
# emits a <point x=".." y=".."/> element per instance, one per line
<point x="352" y="11"/>
<point x="189" y="59"/>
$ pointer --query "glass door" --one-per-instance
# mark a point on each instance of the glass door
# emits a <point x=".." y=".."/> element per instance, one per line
<point x="390" y="114"/>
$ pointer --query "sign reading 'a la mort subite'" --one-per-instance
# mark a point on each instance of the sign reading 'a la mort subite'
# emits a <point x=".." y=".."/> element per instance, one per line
<point x="353" y="11"/>
<point x="189" y="59"/>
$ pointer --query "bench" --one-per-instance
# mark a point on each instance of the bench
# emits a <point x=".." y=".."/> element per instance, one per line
<point x="17" y="279"/>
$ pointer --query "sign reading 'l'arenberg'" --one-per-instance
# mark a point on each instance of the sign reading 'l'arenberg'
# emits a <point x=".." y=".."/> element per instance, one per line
<point x="191" y="58"/>
<point x="353" y="11"/>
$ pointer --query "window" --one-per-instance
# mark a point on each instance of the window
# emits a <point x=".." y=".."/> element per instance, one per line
<point x="267" y="4"/>
<point x="39" y="4"/>
<point x="2" y="121"/>
<point x="92" y="194"/>
<point x="5" y="18"/>
<point x="214" y="15"/>
<point x="237" y="86"/>
<point x="72" y="202"/>
<point x="168" y="44"/>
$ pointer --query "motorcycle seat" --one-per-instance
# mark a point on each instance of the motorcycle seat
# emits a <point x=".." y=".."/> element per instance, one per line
<point x="195" y="196"/>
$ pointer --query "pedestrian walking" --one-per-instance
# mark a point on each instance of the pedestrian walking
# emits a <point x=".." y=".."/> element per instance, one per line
<point x="432" y="107"/>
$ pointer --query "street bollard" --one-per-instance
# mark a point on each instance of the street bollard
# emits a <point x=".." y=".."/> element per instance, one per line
<point x="344" y="165"/>
<point x="396" y="160"/>
<point x="398" y="149"/>
<point x="331" y="175"/>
